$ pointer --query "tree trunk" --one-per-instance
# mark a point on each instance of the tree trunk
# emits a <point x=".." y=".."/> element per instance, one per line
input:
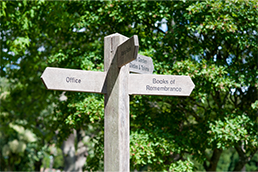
<point x="81" y="152"/>
<point x="240" y="165"/>
<point x="214" y="160"/>
<point x="74" y="160"/>
<point x="37" y="165"/>
<point x="243" y="169"/>
<point x="68" y="149"/>
<point x="243" y="158"/>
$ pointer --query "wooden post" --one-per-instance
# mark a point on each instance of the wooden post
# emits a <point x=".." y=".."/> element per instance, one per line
<point x="116" y="131"/>
<point x="117" y="84"/>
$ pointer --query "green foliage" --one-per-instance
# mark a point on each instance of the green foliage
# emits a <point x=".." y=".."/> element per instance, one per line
<point x="95" y="159"/>
<point x="92" y="105"/>
<point x="232" y="129"/>
<point x="213" y="42"/>
<point x="145" y="149"/>
<point x="182" y="166"/>
<point x="55" y="154"/>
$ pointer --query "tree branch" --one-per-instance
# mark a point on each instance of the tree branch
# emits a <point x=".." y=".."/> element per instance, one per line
<point x="215" y="98"/>
<point x="214" y="159"/>
<point x="243" y="159"/>
<point x="225" y="98"/>
<point x="193" y="113"/>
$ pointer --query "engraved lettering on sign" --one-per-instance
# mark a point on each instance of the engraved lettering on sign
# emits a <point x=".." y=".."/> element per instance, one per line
<point x="163" y="81"/>
<point x="142" y="60"/>
<point x="143" y="68"/>
<point x="163" y="88"/>
<point x="139" y="67"/>
<point x="73" y="80"/>
<point x="173" y="81"/>
<point x="132" y="65"/>
<point x="142" y="64"/>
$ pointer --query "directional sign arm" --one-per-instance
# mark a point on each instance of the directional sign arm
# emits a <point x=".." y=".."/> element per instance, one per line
<point x="74" y="80"/>
<point x="127" y="51"/>
<point x="167" y="85"/>
<point x="142" y="64"/>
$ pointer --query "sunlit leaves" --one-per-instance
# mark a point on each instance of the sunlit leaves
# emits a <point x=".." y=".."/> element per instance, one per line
<point x="180" y="165"/>
<point x="213" y="42"/>
<point x="150" y="149"/>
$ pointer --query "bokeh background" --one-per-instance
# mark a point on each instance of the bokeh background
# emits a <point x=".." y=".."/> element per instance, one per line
<point x="213" y="41"/>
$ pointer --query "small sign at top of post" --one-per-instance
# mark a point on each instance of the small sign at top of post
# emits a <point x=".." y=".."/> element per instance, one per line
<point x="142" y="65"/>
<point x="127" y="51"/>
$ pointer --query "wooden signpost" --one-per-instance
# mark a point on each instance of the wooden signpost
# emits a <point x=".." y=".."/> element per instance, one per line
<point x="120" y="57"/>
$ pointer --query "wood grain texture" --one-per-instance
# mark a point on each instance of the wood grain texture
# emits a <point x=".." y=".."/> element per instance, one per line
<point x="116" y="131"/>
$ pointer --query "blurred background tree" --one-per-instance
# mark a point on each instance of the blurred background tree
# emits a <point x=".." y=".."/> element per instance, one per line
<point x="214" y="42"/>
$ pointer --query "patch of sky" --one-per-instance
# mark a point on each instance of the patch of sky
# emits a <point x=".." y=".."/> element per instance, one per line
<point x="229" y="59"/>
<point x="215" y="58"/>
<point x="162" y="25"/>
<point x="41" y="49"/>
<point x="80" y="30"/>
<point x="4" y="33"/>
<point x="197" y="34"/>
<point x="202" y="37"/>
<point x="232" y="90"/>
<point x="244" y="61"/>
<point x="13" y="64"/>
<point x="243" y="89"/>
<point x="133" y="24"/>
<point x="11" y="53"/>
<point x="19" y="60"/>
<point x="196" y="58"/>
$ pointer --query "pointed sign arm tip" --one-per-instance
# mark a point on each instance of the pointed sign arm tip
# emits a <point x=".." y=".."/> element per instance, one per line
<point x="74" y="80"/>
<point x="42" y="77"/>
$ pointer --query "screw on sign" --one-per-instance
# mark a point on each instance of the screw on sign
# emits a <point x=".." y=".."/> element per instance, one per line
<point x="116" y="83"/>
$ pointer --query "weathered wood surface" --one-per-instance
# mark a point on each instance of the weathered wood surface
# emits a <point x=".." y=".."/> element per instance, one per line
<point x="116" y="123"/>
<point x="142" y="64"/>
<point x="167" y="85"/>
<point x="127" y="51"/>
<point x="74" y="80"/>
<point x="116" y="83"/>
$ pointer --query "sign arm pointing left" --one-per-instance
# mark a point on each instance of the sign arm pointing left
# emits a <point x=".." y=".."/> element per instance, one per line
<point x="74" y="80"/>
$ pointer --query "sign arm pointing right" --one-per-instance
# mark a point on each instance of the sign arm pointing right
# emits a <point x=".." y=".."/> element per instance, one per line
<point x="167" y="85"/>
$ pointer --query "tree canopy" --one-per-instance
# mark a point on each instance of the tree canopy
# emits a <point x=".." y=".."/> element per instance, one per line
<point x="213" y="42"/>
